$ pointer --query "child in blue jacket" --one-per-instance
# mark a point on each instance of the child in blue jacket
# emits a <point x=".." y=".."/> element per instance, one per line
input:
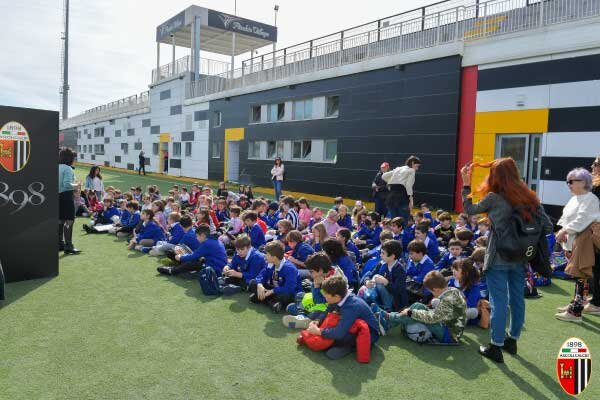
<point x="466" y="278"/>
<point x="343" y="236"/>
<point x="278" y="283"/>
<point x="210" y="253"/>
<point x="300" y="252"/>
<point x="174" y="236"/>
<point x="245" y="266"/>
<point x="453" y="254"/>
<point x="422" y="234"/>
<point x="125" y="230"/>
<point x="339" y="258"/>
<point x="257" y="236"/>
<point x="150" y="232"/>
<point x="418" y="266"/>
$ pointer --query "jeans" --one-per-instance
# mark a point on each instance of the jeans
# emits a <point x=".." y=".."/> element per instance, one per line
<point x="277" y="187"/>
<point x="142" y="167"/>
<point x="380" y="207"/>
<point x="505" y="284"/>
<point x="400" y="211"/>
<point x="386" y="300"/>
<point x="437" y="329"/>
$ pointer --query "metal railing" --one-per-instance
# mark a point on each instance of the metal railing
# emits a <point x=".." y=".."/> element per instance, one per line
<point x="184" y="64"/>
<point x="398" y="34"/>
<point x="125" y="105"/>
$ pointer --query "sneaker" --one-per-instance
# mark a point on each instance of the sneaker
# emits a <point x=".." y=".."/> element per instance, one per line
<point x="510" y="345"/>
<point x="155" y="252"/>
<point x="492" y="352"/>
<point x="292" y="309"/>
<point x="382" y="319"/>
<point x="229" y="290"/>
<point x="165" y="270"/>
<point x="568" y="317"/>
<point x="591" y="309"/>
<point x="277" y="307"/>
<point x="87" y="228"/>
<point x="253" y="298"/>
<point x="563" y="308"/>
<point x="296" y="321"/>
<point x="138" y="247"/>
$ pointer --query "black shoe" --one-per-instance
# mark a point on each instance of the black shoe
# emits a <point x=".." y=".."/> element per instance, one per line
<point x="165" y="270"/>
<point x="70" y="249"/>
<point x="510" y="346"/>
<point x="87" y="228"/>
<point x="276" y="308"/>
<point x="254" y="298"/>
<point x="61" y="246"/>
<point x="492" y="352"/>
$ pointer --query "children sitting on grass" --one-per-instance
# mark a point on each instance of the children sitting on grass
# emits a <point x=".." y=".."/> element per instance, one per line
<point x="245" y="266"/>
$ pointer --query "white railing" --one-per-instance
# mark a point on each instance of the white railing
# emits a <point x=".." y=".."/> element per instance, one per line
<point x="399" y="34"/>
<point x="125" y="105"/>
<point x="182" y="65"/>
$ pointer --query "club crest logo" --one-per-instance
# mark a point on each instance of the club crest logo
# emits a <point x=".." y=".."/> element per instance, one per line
<point x="14" y="146"/>
<point x="574" y="366"/>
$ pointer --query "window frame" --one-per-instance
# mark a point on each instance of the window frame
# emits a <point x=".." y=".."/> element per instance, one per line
<point x="217" y="146"/>
<point x="253" y="120"/>
<point x="255" y="146"/>
<point x="176" y="149"/>
<point x="334" y="160"/>
<point x="337" y="112"/>
<point x="217" y="119"/>
<point x="188" y="149"/>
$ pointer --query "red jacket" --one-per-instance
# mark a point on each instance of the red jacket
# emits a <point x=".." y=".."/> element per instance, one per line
<point x="359" y="328"/>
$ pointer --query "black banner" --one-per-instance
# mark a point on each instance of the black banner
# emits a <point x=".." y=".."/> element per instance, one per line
<point x="28" y="193"/>
<point x="240" y="25"/>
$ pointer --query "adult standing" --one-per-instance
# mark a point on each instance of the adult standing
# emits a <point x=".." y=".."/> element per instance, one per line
<point x="502" y="191"/>
<point x="400" y="182"/>
<point x="380" y="190"/>
<point x="580" y="212"/>
<point x="94" y="182"/>
<point x="66" y="206"/>
<point x="142" y="163"/>
<point x="277" y="175"/>
<point x="165" y="161"/>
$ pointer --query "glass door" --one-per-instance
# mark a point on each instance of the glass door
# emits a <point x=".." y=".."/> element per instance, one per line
<point x="525" y="149"/>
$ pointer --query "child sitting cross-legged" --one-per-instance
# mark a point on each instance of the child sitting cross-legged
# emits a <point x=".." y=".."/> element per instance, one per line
<point x="126" y="230"/>
<point x="311" y="306"/>
<point x="104" y="219"/>
<point x="422" y="234"/>
<point x="210" y="253"/>
<point x="253" y="229"/>
<point x="351" y="309"/>
<point x="465" y="276"/>
<point x="465" y="237"/>
<point x="174" y="236"/>
<point x="149" y="232"/>
<point x="300" y="252"/>
<point x="445" y="323"/>
<point x="453" y="254"/>
<point x="418" y="266"/>
<point x="245" y="266"/>
<point x="277" y="284"/>
<point x="387" y="287"/>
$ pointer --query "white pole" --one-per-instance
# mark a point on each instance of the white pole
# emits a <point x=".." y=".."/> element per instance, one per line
<point x="173" y="42"/>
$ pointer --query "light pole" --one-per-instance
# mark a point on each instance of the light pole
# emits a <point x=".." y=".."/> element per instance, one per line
<point x="276" y="8"/>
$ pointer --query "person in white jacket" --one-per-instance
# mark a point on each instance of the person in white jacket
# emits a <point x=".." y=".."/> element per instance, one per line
<point x="277" y="177"/>
<point x="579" y="212"/>
<point x="401" y="181"/>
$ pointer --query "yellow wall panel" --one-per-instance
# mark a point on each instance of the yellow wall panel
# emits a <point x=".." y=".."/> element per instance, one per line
<point x="519" y="121"/>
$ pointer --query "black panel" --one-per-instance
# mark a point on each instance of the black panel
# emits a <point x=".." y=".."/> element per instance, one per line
<point x="176" y="110"/>
<point x="174" y="163"/>
<point x="146" y="123"/>
<point x="118" y="133"/>
<point x="200" y="115"/>
<point x="165" y="94"/>
<point x="155" y="130"/>
<point x="107" y="163"/>
<point x="93" y="157"/>
<point x="147" y="161"/>
<point x="187" y="136"/>
<point x="131" y="132"/>
<point x="384" y="115"/>
<point x="575" y="119"/>
<point x="554" y="212"/>
<point x="540" y="73"/>
<point x="130" y="167"/>
<point x="117" y="159"/>
<point x="106" y="140"/>
<point x="557" y="168"/>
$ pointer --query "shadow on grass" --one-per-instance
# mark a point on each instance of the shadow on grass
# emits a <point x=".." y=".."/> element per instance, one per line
<point x="555" y="289"/>
<point x="348" y="375"/>
<point x="15" y="290"/>
<point x="548" y="381"/>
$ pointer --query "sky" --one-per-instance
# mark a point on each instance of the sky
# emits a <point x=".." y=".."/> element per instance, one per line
<point x="112" y="47"/>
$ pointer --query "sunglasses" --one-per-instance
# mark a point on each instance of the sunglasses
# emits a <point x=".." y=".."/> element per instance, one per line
<point x="570" y="181"/>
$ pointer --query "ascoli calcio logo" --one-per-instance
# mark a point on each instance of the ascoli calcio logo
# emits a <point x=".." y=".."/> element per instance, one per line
<point x="14" y="146"/>
<point x="574" y="366"/>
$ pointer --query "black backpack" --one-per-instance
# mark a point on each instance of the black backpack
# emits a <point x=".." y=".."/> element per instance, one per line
<point x="519" y="240"/>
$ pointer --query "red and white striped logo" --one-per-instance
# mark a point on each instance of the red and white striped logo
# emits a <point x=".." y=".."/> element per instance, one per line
<point x="14" y="146"/>
<point x="574" y="366"/>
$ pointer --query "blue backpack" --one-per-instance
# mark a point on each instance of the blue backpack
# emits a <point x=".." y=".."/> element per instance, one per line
<point x="209" y="282"/>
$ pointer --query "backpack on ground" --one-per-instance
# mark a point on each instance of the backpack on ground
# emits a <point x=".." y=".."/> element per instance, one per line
<point x="209" y="281"/>
<point x="418" y="332"/>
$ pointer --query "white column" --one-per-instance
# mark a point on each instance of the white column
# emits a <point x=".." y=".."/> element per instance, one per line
<point x="196" y="30"/>
<point x="173" y="44"/>
<point x="232" y="53"/>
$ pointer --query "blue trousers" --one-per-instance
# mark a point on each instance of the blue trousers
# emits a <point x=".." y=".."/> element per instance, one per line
<point x="277" y="186"/>
<point x="505" y="285"/>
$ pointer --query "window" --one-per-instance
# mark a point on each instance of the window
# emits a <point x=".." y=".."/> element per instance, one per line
<point x="165" y="94"/>
<point x="188" y="149"/>
<point x="216" y="150"/>
<point x="333" y="106"/>
<point x="255" y="114"/>
<point x="303" y="109"/>
<point x="176" y="110"/>
<point x="131" y="132"/>
<point x="176" y="149"/>
<point x="301" y="149"/>
<point x="330" y="151"/>
<point x="217" y="119"/>
<point x="154" y="149"/>
<point x="146" y="123"/>
<point x="99" y="132"/>
<point x="276" y="112"/>
<point x="274" y="149"/>
<point x="118" y="133"/>
<point x="253" y="149"/>
<point x="99" y="149"/>
<point x="125" y="148"/>
<point x="79" y="148"/>
<point x="137" y="146"/>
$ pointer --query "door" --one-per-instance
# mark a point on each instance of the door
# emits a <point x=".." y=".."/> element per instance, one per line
<point x="525" y="150"/>
<point x="233" y="161"/>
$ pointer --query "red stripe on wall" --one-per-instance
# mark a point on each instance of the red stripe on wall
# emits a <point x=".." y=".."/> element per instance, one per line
<point x="466" y="126"/>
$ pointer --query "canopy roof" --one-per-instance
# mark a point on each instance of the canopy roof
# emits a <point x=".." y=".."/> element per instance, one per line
<point x="216" y="31"/>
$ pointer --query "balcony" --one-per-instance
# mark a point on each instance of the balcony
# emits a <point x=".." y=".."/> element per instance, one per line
<point x="183" y="65"/>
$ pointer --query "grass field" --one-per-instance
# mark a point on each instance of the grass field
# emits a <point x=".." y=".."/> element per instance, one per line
<point x="108" y="327"/>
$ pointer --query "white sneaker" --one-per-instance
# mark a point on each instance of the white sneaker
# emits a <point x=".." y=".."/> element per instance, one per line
<point x="568" y="317"/>
<point x="296" y="321"/>
<point x="138" y="247"/>
<point x="155" y="252"/>
<point x="563" y="308"/>
<point x="591" y="309"/>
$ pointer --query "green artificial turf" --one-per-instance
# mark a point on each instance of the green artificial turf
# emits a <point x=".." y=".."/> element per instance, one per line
<point x="108" y="327"/>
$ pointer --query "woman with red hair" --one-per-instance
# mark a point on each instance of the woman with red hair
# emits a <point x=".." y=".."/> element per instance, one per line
<point x="501" y="192"/>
